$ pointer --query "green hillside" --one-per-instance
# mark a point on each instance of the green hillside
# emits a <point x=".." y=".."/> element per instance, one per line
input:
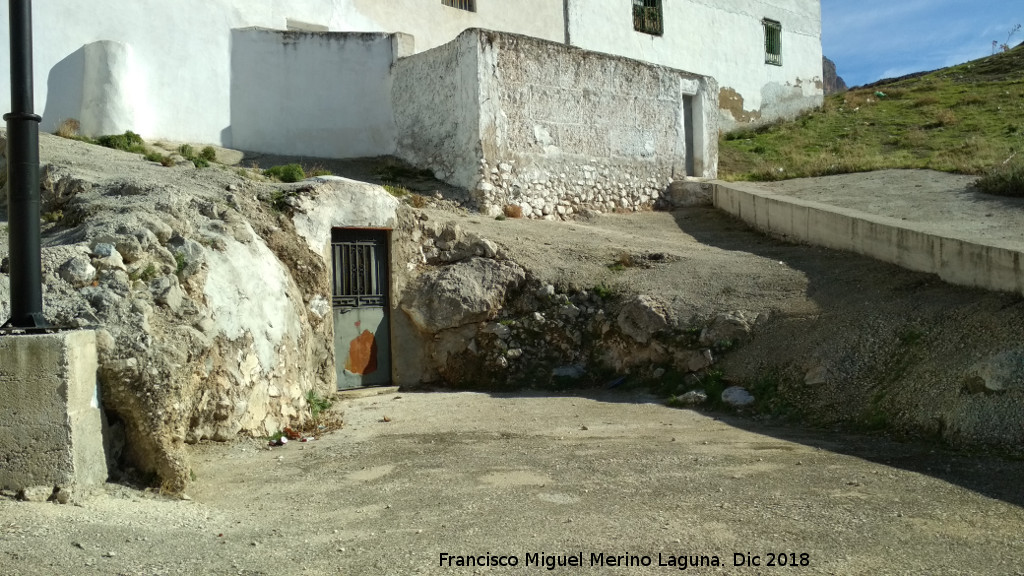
<point x="967" y="119"/>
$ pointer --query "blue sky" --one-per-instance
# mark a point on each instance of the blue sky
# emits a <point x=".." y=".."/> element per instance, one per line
<point x="874" y="39"/>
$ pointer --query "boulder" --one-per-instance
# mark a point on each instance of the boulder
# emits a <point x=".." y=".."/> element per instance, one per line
<point x="459" y="294"/>
<point x="641" y="318"/>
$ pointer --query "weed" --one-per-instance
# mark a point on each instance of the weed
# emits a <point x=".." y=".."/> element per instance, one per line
<point x="603" y="291"/>
<point x="418" y="201"/>
<point x="179" y="260"/>
<point x="513" y="211"/>
<point x="317" y="404"/>
<point x="501" y="217"/>
<point x="201" y="160"/>
<point x="286" y="173"/>
<point x="55" y="216"/>
<point x="396" y="191"/>
<point x="318" y="170"/>
<point x="146" y="274"/>
<point x="208" y="153"/>
<point x="622" y="261"/>
<point x="1004" y="180"/>
<point x="68" y="128"/>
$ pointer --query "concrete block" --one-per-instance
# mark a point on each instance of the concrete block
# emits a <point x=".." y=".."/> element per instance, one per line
<point x="49" y="412"/>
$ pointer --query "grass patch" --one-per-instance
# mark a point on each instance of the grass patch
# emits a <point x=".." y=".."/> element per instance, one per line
<point x="965" y="119"/>
<point x="396" y="190"/>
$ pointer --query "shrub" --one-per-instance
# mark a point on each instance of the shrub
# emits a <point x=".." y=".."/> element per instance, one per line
<point x="208" y="154"/>
<point x="128" y="142"/>
<point x="513" y="211"/>
<point x="286" y="173"/>
<point x="1004" y="180"/>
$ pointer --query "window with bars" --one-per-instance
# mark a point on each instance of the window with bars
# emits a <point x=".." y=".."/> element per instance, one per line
<point x="359" y="274"/>
<point x="468" y="5"/>
<point x="772" y="42"/>
<point x="647" y="17"/>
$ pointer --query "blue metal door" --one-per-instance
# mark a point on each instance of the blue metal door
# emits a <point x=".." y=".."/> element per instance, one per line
<point x="360" y="282"/>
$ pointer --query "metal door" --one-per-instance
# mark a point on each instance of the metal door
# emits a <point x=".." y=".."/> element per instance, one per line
<point x="360" y="290"/>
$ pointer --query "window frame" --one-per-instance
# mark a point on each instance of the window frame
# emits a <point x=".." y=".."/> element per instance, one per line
<point x="649" y="17"/>
<point x="772" y="41"/>
<point x="467" y="5"/>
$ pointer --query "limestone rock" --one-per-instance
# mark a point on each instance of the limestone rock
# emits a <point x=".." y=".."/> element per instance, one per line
<point x="77" y="271"/>
<point x="641" y="318"/>
<point x="459" y="294"/>
<point x="737" y="397"/>
<point x="728" y="327"/>
<point x="693" y="398"/>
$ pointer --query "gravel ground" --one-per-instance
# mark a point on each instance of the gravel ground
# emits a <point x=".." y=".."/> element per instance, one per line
<point x="471" y="474"/>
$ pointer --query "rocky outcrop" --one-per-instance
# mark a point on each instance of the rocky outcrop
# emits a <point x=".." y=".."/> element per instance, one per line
<point x="832" y="82"/>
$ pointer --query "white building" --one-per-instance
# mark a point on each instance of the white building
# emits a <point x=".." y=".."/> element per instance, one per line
<point x="214" y="71"/>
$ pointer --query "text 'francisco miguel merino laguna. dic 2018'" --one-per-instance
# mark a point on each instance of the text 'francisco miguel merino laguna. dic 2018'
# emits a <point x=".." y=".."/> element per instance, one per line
<point x="600" y="559"/>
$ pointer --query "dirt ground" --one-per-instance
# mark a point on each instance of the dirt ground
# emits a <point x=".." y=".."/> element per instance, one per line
<point x="476" y="474"/>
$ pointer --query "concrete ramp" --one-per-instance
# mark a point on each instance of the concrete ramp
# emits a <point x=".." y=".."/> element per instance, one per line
<point x="962" y="236"/>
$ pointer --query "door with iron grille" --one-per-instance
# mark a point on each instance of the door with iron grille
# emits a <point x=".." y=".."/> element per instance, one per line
<point x="360" y="296"/>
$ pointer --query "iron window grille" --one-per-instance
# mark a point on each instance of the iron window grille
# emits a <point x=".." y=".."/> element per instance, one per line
<point x="358" y="278"/>
<point x="647" y="17"/>
<point x="468" y="5"/>
<point x="772" y="42"/>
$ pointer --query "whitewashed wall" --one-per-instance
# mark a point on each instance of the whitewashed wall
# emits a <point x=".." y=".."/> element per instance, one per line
<point x="436" y="99"/>
<point x="550" y="128"/>
<point x="723" y="39"/>
<point x="180" y="51"/>
<point x="321" y="94"/>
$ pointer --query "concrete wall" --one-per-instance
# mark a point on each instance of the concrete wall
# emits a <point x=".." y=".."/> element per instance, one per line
<point x="954" y="260"/>
<point x="321" y="94"/>
<point x="550" y="128"/>
<point x="723" y="39"/>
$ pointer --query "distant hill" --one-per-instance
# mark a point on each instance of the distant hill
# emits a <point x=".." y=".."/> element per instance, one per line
<point x="965" y="119"/>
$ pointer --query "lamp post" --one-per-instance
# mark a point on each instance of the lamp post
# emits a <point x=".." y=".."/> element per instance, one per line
<point x="23" y="179"/>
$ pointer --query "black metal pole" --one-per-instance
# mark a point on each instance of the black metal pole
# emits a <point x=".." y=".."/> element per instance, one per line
<point x="23" y="178"/>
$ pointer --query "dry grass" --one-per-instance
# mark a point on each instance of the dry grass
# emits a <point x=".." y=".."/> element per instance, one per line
<point x="69" y="128"/>
<point x="513" y="211"/>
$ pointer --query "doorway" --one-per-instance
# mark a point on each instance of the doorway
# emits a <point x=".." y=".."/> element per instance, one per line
<point x="360" y="287"/>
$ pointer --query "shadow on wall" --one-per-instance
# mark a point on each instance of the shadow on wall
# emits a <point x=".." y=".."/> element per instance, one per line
<point x="64" y="91"/>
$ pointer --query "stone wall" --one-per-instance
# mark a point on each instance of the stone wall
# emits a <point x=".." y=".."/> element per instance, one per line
<point x="565" y="129"/>
<point x="552" y="129"/>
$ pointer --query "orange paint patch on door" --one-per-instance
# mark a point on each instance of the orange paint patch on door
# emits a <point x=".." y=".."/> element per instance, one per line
<point x="362" y="354"/>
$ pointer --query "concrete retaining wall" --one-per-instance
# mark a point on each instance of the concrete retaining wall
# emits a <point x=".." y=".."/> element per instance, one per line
<point x="955" y="260"/>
